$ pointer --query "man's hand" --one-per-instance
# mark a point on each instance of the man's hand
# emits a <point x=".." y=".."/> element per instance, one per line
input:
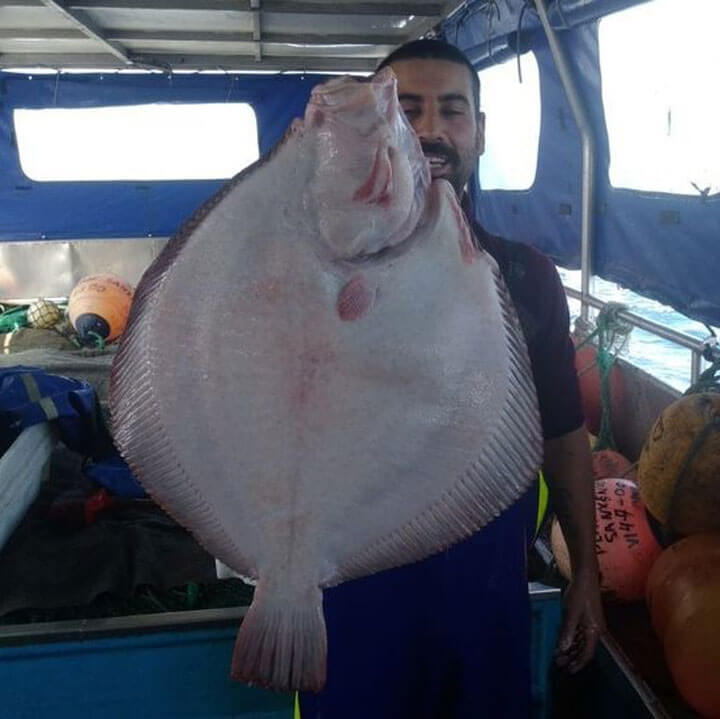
<point x="568" y="471"/>
<point x="583" y="623"/>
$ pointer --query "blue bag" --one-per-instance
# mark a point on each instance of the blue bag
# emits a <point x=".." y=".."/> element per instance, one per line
<point x="29" y="395"/>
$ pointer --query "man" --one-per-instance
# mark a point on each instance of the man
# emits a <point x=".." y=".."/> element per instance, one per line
<point x="449" y="636"/>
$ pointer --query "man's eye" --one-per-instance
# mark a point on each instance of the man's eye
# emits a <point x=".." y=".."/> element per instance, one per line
<point x="411" y="112"/>
<point x="452" y="112"/>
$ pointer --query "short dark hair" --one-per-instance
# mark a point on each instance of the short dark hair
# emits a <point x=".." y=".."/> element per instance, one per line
<point x="435" y="50"/>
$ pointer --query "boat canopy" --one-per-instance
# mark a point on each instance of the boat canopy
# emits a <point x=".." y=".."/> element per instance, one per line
<point x="661" y="245"/>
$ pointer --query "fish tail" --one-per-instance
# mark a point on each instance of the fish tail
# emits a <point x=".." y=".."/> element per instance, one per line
<point x="282" y="642"/>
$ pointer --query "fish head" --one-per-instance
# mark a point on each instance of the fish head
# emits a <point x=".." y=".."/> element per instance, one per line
<point x="370" y="179"/>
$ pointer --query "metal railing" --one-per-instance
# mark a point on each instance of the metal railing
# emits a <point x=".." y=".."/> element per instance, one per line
<point x="697" y="347"/>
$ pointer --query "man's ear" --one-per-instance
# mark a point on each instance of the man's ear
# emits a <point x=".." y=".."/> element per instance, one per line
<point x="480" y="136"/>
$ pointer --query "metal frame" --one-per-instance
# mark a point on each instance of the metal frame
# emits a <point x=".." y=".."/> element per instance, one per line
<point x="231" y="35"/>
<point x="71" y="629"/>
<point x="588" y="152"/>
<point x="89" y="29"/>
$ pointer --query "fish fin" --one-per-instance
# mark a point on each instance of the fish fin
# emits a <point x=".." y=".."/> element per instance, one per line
<point x="503" y="470"/>
<point x="282" y="642"/>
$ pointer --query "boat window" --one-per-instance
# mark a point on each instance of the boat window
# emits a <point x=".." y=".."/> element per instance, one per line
<point x="512" y="124"/>
<point x="138" y="142"/>
<point x="659" y="66"/>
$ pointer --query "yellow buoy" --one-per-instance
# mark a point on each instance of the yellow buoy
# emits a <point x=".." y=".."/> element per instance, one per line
<point x="679" y="468"/>
<point x="99" y="306"/>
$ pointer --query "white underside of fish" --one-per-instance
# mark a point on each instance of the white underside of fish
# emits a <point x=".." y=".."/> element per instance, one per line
<point x="305" y="443"/>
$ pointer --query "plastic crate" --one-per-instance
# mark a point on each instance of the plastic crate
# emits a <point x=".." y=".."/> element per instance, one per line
<point x="546" y="608"/>
<point x="179" y="673"/>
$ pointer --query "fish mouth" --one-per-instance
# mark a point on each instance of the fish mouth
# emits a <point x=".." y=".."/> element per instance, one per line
<point x="378" y="187"/>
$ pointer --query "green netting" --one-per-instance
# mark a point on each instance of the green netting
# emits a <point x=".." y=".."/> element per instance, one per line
<point x="611" y="334"/>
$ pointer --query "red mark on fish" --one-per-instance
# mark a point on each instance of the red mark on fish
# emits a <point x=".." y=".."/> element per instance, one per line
<point x="355" y="299"/>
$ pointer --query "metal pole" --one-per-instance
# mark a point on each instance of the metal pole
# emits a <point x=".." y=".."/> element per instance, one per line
<point x="588" y="154"/>
<point x="655" y="328"/>
<point x="695" y="366"/>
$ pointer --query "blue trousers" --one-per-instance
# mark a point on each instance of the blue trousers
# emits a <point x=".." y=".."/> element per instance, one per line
<point x="445" y="638"/>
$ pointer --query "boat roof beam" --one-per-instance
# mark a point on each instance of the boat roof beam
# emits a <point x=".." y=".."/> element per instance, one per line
<point x="448" y="8"/>
<point x="162" y="62"/>
<point x="83" y="23"/>
<point x="257" y="28"/>
<point x="122" y="36"/>
<point x="337" y="7"/>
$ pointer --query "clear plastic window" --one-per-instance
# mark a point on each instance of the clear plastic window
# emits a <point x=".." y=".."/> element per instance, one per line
<point x="659" y="64"/>
<point x="512" y="124"/>
<point x="137" y="142"/>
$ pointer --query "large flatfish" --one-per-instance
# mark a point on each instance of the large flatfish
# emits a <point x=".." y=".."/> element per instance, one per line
<point x="321" y="377"/>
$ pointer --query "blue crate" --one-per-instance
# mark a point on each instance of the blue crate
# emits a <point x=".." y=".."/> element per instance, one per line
<point x="546" y="608"/>
<point x="179" y="673"/>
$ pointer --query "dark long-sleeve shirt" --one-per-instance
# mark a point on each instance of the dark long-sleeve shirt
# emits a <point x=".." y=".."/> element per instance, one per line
<point x="539" y="300"/>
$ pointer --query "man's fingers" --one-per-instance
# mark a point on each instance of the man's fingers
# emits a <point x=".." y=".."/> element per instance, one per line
<point x="565" y="642"/>
<point x="568" y="632"/>
<point x="586" y="650"/>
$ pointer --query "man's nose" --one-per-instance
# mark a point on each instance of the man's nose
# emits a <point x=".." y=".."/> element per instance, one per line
<point x="429" y="126"/>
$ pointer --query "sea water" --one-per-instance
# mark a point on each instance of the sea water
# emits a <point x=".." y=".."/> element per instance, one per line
<point x="659" y="357"/>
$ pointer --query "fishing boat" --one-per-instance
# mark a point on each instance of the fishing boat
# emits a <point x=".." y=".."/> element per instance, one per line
<point x="557" y="175"/>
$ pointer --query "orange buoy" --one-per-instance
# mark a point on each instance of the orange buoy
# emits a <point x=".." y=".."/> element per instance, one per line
<point x="609" y="463"/>
<point x="99" y="306"/>
<point x="679" y="467"/>
<point x="692" y="652"/>
<point x="624" y="542"/>
<point x="684" y="573"/>
<point x="683" y="594"/>
<point x="591" y="387"/>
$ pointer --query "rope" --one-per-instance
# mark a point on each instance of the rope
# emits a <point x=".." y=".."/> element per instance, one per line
<point x="99" y="340"/>
<point x="523" y="10"/>
<point x="612" y="334"/>
<point x="709" y="380"/>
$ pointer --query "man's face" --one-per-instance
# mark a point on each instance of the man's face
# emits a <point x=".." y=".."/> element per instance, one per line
<point x="437" y="98"/>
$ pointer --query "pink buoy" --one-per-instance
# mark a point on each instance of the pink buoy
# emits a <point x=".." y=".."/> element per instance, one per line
<point x="624" y="541"/>
<point x="609" y="463"/>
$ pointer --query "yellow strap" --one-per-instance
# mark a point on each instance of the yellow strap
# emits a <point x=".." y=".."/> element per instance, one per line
<point x="542" y="500"/>
<point x="296" y="713"/>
